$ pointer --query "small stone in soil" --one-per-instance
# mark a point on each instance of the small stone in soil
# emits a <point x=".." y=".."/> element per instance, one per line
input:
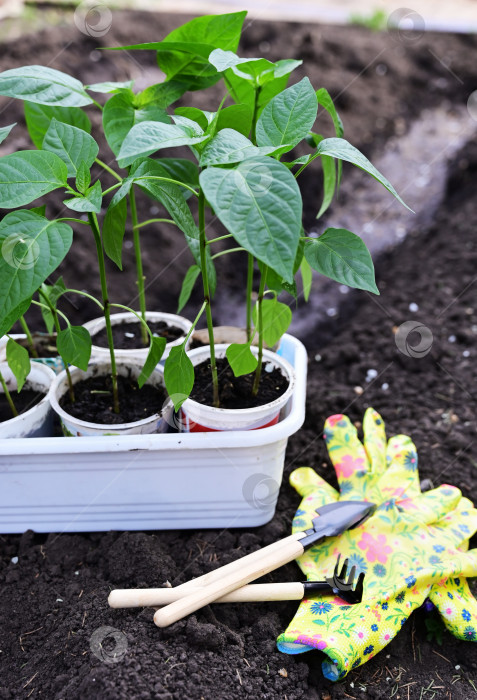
<point x="94" y="401"/>
<point x="127" y="335"/>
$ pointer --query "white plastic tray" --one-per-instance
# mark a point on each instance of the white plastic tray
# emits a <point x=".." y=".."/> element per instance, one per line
<point x="141" y="482"/>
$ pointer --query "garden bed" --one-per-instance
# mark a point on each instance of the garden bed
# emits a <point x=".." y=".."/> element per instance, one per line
<point x="53" y="598"/>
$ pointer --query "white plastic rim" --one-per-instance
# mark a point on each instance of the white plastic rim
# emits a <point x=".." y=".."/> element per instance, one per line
<point x="196" y="416"/>
<point x="38" y="420"/>
<point x="99" y="353"/>
<point x="75" y="427"/>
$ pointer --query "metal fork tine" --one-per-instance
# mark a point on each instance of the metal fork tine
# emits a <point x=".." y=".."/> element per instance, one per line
<point x="344" y="569"/>
<point x="336" y="569"/>
<point x="351" y="576"/>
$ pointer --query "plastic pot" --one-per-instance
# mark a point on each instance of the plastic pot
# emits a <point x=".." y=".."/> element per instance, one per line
<point x="135" y="354"/>
<point x="38" y="420"/>
<point x="75" y="427"/>
<point x="151" y="482"/>
<point x="197" y="418"/>
<point x="54" y="361"/>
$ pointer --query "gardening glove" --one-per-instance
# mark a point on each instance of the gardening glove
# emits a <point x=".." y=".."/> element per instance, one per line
<point x="413" y="545"/>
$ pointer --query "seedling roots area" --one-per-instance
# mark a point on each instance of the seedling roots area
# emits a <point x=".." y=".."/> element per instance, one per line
<point x="54" y="587"/>
<point x="25" y="400"/>
<point x="93" y="401"/>
<point x="236" y="392"/>
<point x="127" y="336"/>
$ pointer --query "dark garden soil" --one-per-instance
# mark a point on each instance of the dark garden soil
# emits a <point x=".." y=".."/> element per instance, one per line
<point x="127" y="336"/>
<point x="23" y="401"/>
<point x="236" y="392"/>
<point x="44" y="344"/>
<point x="53" y="598"/>
<point x="94" y="401"/>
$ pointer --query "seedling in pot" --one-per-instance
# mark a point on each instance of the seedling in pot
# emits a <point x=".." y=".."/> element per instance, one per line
<point x="246" y="181"/>
<point x="32" y="246"/>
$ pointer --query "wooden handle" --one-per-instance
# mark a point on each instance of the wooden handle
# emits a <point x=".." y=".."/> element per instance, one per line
<point x="218" y="574"/>
<point x="155" y="597"/>
<point x="290" y="548"/>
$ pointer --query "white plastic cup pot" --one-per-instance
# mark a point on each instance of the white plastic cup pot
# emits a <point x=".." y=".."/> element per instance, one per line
<point x="38" y="420"/>
<point x="75" y="427"/>
<point x="100" y="354"/>
<point x="196" y="418"/>
<point x="54" y="362"/>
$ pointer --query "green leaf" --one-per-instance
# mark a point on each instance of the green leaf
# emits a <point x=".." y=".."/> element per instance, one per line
<point x="260" y="204"/>
<point x="32" y="248"/>
<point x="195" y="114"/>
<point x="329" y="183"/>
<point x="53" y="293"/>
<point x="178" y="375"/>
<point x="243" y="91"/>
<point x="74" y="346"/>
<point x="83" y="177"/>
<point x="276" y="320"/>
<point x="108" y="87"/>
<point x="161" y="94"/>
<point x="324" y="99"/>
<point x="156" y="351"/>
<point x="148" y="137"/>
<point x="5" y="130"/>
<point x="38" y="118"/>
<point x="183" y="170"/>
<point x="342" y="256"/>
<point x="18" y="361"/>
<point x="306" y="278"/>
<point x="223" y="60"/>
<point x="91" y="201"/>
<point x="237" y="117"/>
<point x="39" y="210"/>
<point x="241" y="359"/>
<point x="27" y="175"/>
<point x="187" y="286"/>
<point x="340" y="148"/>
<point x="7" y="320"/>
<point x="120" y="115"/>
<point x="230" y="146"/>
<point x="43" y="85"/>
<point x="71" y="144"/>
<point x="114" y="226"/>
<point x="288" y="117"/>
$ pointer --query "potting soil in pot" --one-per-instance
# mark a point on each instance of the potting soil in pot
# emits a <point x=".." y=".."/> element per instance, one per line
<point x="127" y="335"/>
<point x="23" y="401"/>
<point x="94" y="401"/>
<point x="236" y="392"/>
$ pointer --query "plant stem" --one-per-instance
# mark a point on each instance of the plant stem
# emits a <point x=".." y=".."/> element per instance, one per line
<point x="139" y="269"/>
<point x="106" y="167"/>
<point x="249" y="296"/>
<point x="156" y="221"/>
<point x="8" y="396"/>
<point x="26" y="330"/>
<point x="226" y="252"/>
<point x="93" y="222"/>
<point x="258" y="371"/>
<point x="56" y="321"/>
<point x="220" y="238"/>
<point x="208" y="310"/>
<point x="255" y="115"/>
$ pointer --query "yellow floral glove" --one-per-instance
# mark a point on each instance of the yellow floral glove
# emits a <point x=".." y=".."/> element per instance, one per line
<point x="411" y="548"/>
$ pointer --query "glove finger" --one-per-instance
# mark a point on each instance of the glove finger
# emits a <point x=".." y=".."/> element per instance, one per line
<point x="458" y="526"/>
<point x="306" y="481"/>
<point x="457" y="606"/>
<point x="346" y="451"/>
<point x="375" y="440"/>
<point x="401" y="479"/>
<point x="435" y="506"/>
